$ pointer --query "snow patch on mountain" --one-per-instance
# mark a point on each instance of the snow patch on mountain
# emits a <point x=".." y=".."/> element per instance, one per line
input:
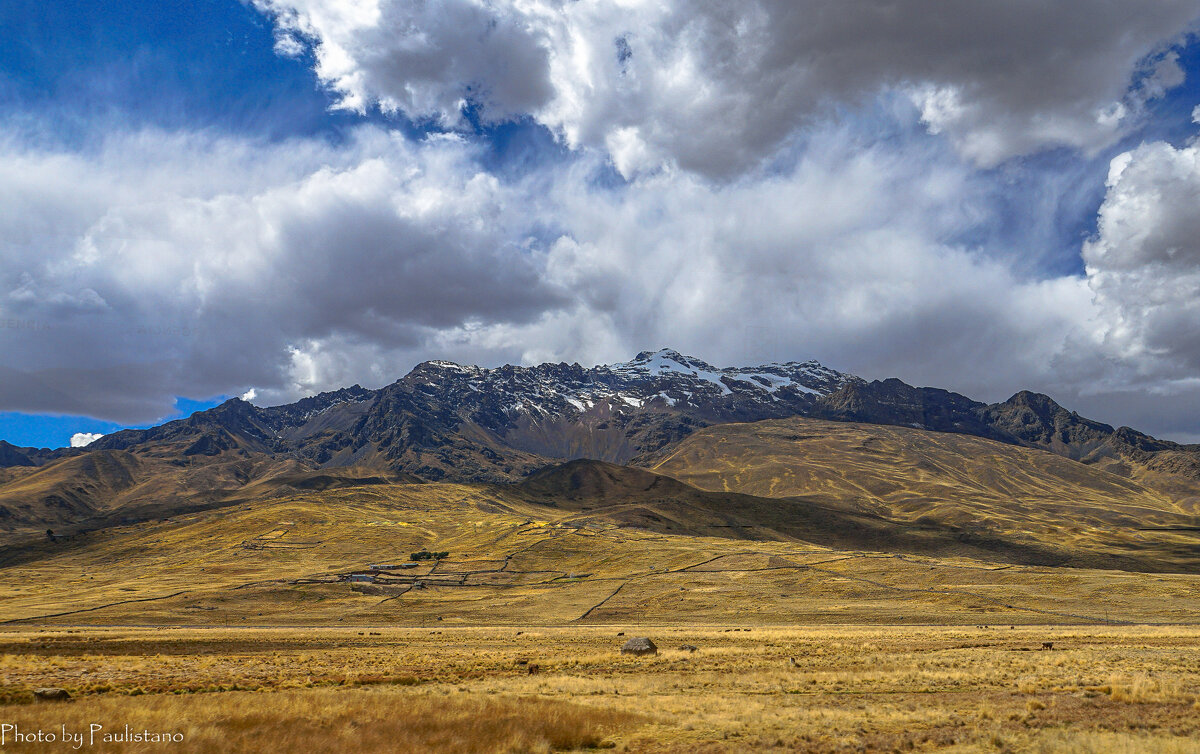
<point x="681" y="382"/>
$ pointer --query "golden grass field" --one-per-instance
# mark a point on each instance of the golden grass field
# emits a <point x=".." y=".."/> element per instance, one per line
<point x="1026" y="496"/>
<point x="821" y="624"/>
<point x="850" y="688"/>
<point x="286" y="561"/>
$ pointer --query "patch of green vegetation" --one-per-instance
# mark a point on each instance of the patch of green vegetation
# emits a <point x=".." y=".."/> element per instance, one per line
<point x="427" y="555"/>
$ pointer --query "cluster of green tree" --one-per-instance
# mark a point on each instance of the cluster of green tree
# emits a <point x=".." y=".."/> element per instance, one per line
<point x="427" y="555"/>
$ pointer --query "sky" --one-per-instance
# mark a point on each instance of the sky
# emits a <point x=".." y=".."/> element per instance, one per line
<point x="276" y="197"/>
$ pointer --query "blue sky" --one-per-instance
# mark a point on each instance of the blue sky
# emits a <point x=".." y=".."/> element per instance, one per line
<point x="69" y="66"/>
<point x="471" y="198"/>
<point x="72" y="71"/>
<point x="48" y="431"/>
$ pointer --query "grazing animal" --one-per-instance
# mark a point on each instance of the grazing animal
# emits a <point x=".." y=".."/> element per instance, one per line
<point x="534" y="669"/>
<point x="1047" y="645"/>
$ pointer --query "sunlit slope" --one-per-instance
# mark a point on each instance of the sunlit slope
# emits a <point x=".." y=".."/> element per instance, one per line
<point x="289" y="561"/>
<point x="94" y="489"/>
<point x="925" y="478"/>
<point x="639" y="498"/>
<point x="107" y="487"/>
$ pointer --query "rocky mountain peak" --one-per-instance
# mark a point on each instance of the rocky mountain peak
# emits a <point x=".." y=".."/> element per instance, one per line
<point x="447" y="420"/>
<point x="663" y="359"/>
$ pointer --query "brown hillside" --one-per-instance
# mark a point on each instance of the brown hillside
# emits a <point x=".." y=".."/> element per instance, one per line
<point x="975" y="486"/>
<point x="107" y="487"/>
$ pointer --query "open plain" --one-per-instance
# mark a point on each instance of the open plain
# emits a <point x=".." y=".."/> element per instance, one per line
<point x="833" y="688"/>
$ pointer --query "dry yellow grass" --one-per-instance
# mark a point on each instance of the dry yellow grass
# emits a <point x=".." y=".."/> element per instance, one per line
<point x="320" y="721"/>
<point x="1070" y="511"/>
<point x="1113" y="743"/>
<point x="239" y="628"/>
<point x="848" y="689"/>
<point x="283" y="562"/>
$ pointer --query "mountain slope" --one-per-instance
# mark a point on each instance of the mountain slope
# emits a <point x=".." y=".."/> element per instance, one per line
<point x="302" y="559"/>
<point x="978" y="487"/>
<point x="107" y="487"/>
<point x="599" y="492"/>
<point x="447" y="422"/>
<point x="11" y="455"/>
<point x="1028" y="419"/>
<point x="465" y="423"/>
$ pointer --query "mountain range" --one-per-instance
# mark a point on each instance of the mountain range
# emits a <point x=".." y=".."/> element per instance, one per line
<point x="444" y="422"/>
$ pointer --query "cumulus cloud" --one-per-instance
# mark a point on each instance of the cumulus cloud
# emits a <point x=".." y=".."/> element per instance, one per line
<point x="849" y="256"/>
<point x="424" y="59"/>
<point x="715" y="87"/>
<point x="182" y="265"/>
<point x="160" y="265"/>
<point x="83" y="439"/>
<point x="173" y="265"/>
<point x="1144" y="263"/>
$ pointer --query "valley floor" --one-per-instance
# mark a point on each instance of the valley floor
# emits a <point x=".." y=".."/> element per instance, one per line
<point x="264" y="627"/>
<point x="471" y="689"/>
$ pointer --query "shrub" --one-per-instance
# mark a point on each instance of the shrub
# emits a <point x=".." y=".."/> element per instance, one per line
<point x="427" y="555"/>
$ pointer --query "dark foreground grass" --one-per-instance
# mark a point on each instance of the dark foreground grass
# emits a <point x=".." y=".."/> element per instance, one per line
<point x="321" y="720"/>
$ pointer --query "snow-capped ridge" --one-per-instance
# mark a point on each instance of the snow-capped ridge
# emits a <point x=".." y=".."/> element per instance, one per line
<point x="808" y="377"/>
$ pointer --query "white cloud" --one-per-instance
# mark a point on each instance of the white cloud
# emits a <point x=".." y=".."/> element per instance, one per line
<point x="83" y="439"/>
<point x="217" y="263"/>
<point x="422" y="58"/>
<point x="182" y="265"/>
<point x="1144" y="264"/>
<point x="847" y="257"/>
<point x="249" y="395"/>
<point x="714" y="87"/>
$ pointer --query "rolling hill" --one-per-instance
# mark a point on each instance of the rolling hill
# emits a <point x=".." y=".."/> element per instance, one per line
<point x="585" y="543"/>
<point x="791" y="520"/>
<point x="980" y="488"/>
